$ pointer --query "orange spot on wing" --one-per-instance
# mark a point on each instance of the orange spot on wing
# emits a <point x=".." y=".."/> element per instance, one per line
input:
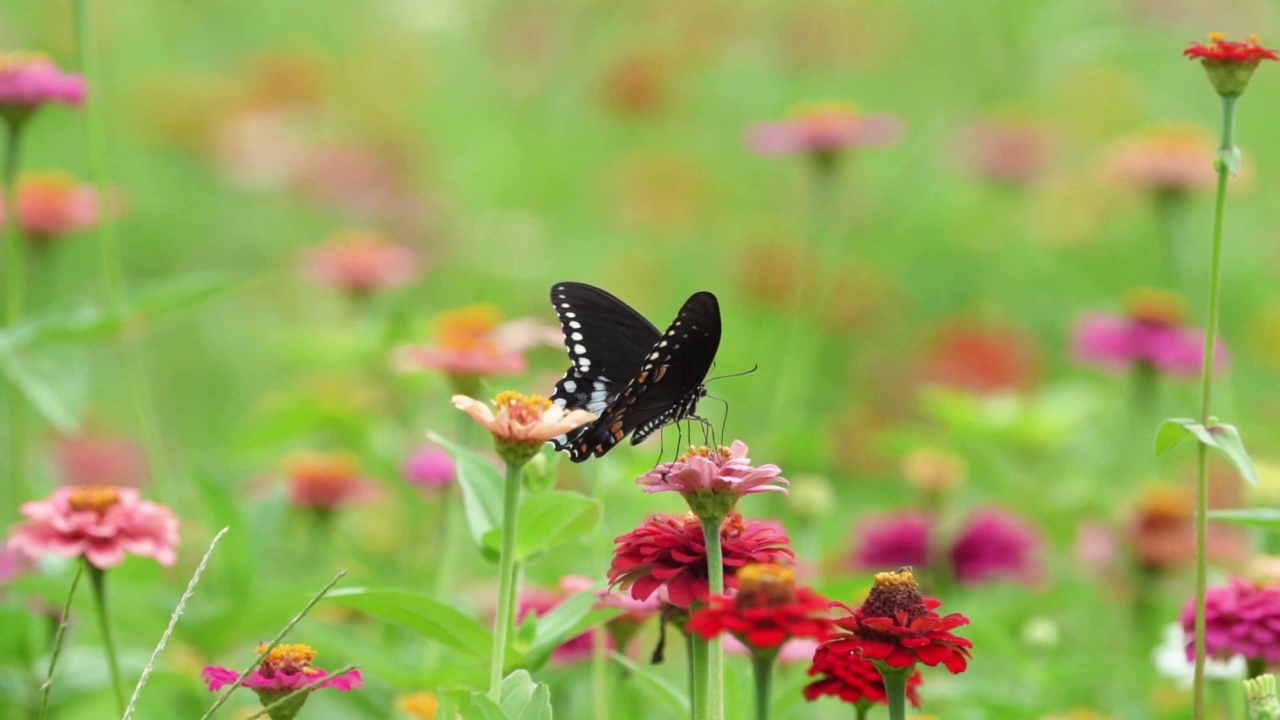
<point x="662" y="370"/>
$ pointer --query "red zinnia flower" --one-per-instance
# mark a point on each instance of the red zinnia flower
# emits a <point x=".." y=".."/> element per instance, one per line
<point x="767" y="611"/>
<point x="853" y="679"/>
<point x="669" y="551"/>
<point x="1230" y="64"/>
<point x="897" y="626"/>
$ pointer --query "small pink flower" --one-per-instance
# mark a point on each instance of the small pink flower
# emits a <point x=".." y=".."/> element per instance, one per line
<point x="53" y="204"/>
<point x="996" y="544"/>
<point x="29" y="80"/>
<point x="1151" y="334"/>
<point x="1166" y="159"/>
<point x="361" y="262"/>
<point x="1007" y="151"/>
<point x="430" y="468"/>
<point x="471" y="342"/>
<point x="723" y="471"/>
<point x="99" y="459"/>
<point x="12" y="564"/>
<point x="521" y="419"/>
<point x="285" y="669"/>
<point x="824" y="129"/>
<point x="326" y="480"/>
<point x="894" y="541"/>
<point x="100" y="523"/>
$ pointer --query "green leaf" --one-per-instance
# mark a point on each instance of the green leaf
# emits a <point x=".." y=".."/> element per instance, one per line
<point x="168" y="297"/>
<point x="1264" y="518"/>
<point x="523" y="699"/>
<point x="1230" y="159"/>
<point x="55" y="380"/>
<point x="76" y="324"/>
<point x="421" y="614"/>
<point x="567" y="620"/>
<point x="553" y="519"/>
<point x="481" y="485"/>
<point x="1174" y="430"/>
<point x="659" y="687"/>
<point x="1228" y="440"/>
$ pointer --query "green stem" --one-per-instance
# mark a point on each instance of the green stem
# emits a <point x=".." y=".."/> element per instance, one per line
<point x="895" y="688"/>
<point x="861" y="709"/>
<point x="691" y="659"/>
<point x="699" y="653"/>
<point x="763" y="667"/>
<point x="600" y="685"/>
<point x="1206" y="396"/>
<point x="98" y="578"/>
<point x="15" y="269"/>
<point x="58" y="637"/>
<point x="503" y="623"/>
<point x="715" y="647"/>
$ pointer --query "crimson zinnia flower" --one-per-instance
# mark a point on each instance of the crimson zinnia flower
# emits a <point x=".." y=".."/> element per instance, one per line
<point x="898" y="627"/>
<point x="1230" y="64"/>
<point x="670" y="551"/>
<point x="853" y="679"/>
<point x="767" y="611"/>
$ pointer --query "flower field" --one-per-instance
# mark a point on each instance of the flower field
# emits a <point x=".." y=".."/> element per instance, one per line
<point x="506" y="361"/>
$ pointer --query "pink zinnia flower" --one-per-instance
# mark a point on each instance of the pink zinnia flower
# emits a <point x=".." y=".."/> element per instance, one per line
<point x="361" y="262"/>
<point x="53" y="204"/>
<point x="29" y="80"/>
<point x="722" y="471"/>
<point x="1241" y="618"/>
<point x="326" y="480"/>
<point x="996" y="544"/>
<point x="1171" y="159"/>
<point x="541" y="601"/>
<point x="1007" y="151"/>
<point x="1151" y="334"/>
<point x="99" y="459"/>
<point x="670" y="552"/>
<point x="470" y="342"/>
<point x="285" y="669"/>
<point x="100" y="523"/>
<point x="894" y="541"/>
<point x="12" y="564"/>
<point x="523" y="419"/>
<point x="430" y="468"/>
<point x="822" y="130"/>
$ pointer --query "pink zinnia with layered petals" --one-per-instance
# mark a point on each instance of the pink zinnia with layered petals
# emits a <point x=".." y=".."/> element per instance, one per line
<point x="284" y="670"/>
<point x="996" y="544"/>
<point x="823" y="129"/>
<point x="471" y="342"/>
<point x="29" y="80"/>
<point x="1120" y="343"/>
<point x="53" y="204"/>
<point x="99" y="522"/>
<point x="726" y="470"/>
<point x="1241" y="618"/>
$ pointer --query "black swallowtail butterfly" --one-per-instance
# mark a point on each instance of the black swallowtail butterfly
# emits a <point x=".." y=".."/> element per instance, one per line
<point x="633" y="378"/>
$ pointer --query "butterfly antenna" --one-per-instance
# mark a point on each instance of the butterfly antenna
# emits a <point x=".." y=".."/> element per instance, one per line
<point x="733" y="375"/>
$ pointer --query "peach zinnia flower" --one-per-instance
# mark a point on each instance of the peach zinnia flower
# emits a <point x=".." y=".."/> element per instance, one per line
<point x="326" y="480"/>
<point x="361" y="262"/>
<point x="1171" y="158"/>
<point x="29" y="80"/>
<point x="53" y="204"/>
<point x="824" y="129"/>
<point x="99" y="522"/>
<point x="522" y="423"/>
<point x="470" y="343"/>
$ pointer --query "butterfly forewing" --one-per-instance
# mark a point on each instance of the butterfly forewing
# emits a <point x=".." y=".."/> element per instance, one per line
<point x="665" y="387"/>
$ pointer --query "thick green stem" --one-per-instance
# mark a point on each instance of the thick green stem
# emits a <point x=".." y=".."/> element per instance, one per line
<point x="15" y="278"/>
<point x="699" y="653"/>
<point x="1206" y="396"/>
<point x="762" y="665"/>
<point x="691" y="658"/>
<point x="503" y="623"/>
<point x="98" y="578"/>
<point x="715" y="648"/>
<point x="861" y="708"/>
<point x="895" y="688"/>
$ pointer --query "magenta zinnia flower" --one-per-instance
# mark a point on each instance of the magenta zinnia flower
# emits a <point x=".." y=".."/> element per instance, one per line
<point x="995" y="545"/>
<point x="284" y="670"/>
<point x="723" y="471"/>
<point x="29" y="80"/>
<point x="430" y="468"/>
<point x="894" y="541"/>
<point x="1241" y="618"/>
<point x="669" y="551"/>
<point x="99" y="522"/>
<point x="1152" y="335"/>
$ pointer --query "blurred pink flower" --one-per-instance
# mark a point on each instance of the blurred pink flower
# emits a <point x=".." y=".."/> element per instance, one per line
<point x="29" y="80"/>
<point x="99" y="459"/>
<point x="521" y="419"/>
<point x="541" y="601"/>
<point x="471" y="342"/>
<point x="893" y="541"/>
<point x="823" y="129"/>
<point x="722" y="471"/>
<point x="1152" y="333"/>
<point x="1006" y="151"/>
<point x="285" y="669"/>
<point x="1173" y="158"/>
<point x="996" y="545"/>
<point x="326" y="480"/>
<point x="430" y="468"/>
<point x="1241" y="618"/>
<point x="349" y="178"/>
<point x="260" y="148"/>
<point x="12" y="564"/>
<point x="53" y="204"/>
<point x="100" y="523"/>
<point x="799" y="650"/>
<point x="361" y="262"/>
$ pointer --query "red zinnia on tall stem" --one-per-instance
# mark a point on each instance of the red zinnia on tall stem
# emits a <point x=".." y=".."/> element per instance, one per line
<point x="767" y="611"/>
<point x="1230" y="64"/>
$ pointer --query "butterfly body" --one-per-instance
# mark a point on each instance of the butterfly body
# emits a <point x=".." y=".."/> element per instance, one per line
<point x="635" y="379"/>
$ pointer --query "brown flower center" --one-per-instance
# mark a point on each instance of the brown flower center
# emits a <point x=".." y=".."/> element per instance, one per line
<point x="94" y="498"/>
<point x="1158" y="307"/>
<point x="287" y="660"/>
<point x="893" y="593"/>
<point x="765" y="585"/>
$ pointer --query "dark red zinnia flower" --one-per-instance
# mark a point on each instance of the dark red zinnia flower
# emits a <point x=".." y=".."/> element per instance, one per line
<point x="896" y="625"/>
<point x="669" y="551"/>
<point x="1222" y="49"/>
<point x="853" y="679"/>
<point x="767" y="611"/>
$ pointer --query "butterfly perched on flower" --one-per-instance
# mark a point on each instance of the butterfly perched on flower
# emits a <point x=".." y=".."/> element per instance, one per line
<point x="634" y="378"/>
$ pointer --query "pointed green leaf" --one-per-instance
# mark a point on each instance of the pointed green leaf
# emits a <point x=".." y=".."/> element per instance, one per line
<point x="421" y="614"/>
<point x="553" y="519"/>
<point x="1175" y="430"/>
<point x="1264" y="518"/>
<point x="1228" y="440"/>
<point x="523" y="699"/>
<point x="481" y="485"/>
<point x="55" y="380"/>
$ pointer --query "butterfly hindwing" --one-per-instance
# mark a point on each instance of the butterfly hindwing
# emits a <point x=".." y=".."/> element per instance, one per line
<point x="665" y="388"/>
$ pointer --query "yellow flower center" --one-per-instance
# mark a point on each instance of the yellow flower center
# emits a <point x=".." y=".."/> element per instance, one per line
<point x="1155" y="306"/>
<point x="419" y="705"/>
<point x="467" y="329"/>
<point x="15" y="61"/>
<point x="288" y="659"/>
<point x="523" y="408"/>
<point x="1217" y="37"/>
<point x="95" y="498"/>
<point x="825" y="110"/>
<point x="322" y="468"/>
<point x="765" y="585"/>
<point x="49" y="181"/>
<point x="717" y="455"/>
